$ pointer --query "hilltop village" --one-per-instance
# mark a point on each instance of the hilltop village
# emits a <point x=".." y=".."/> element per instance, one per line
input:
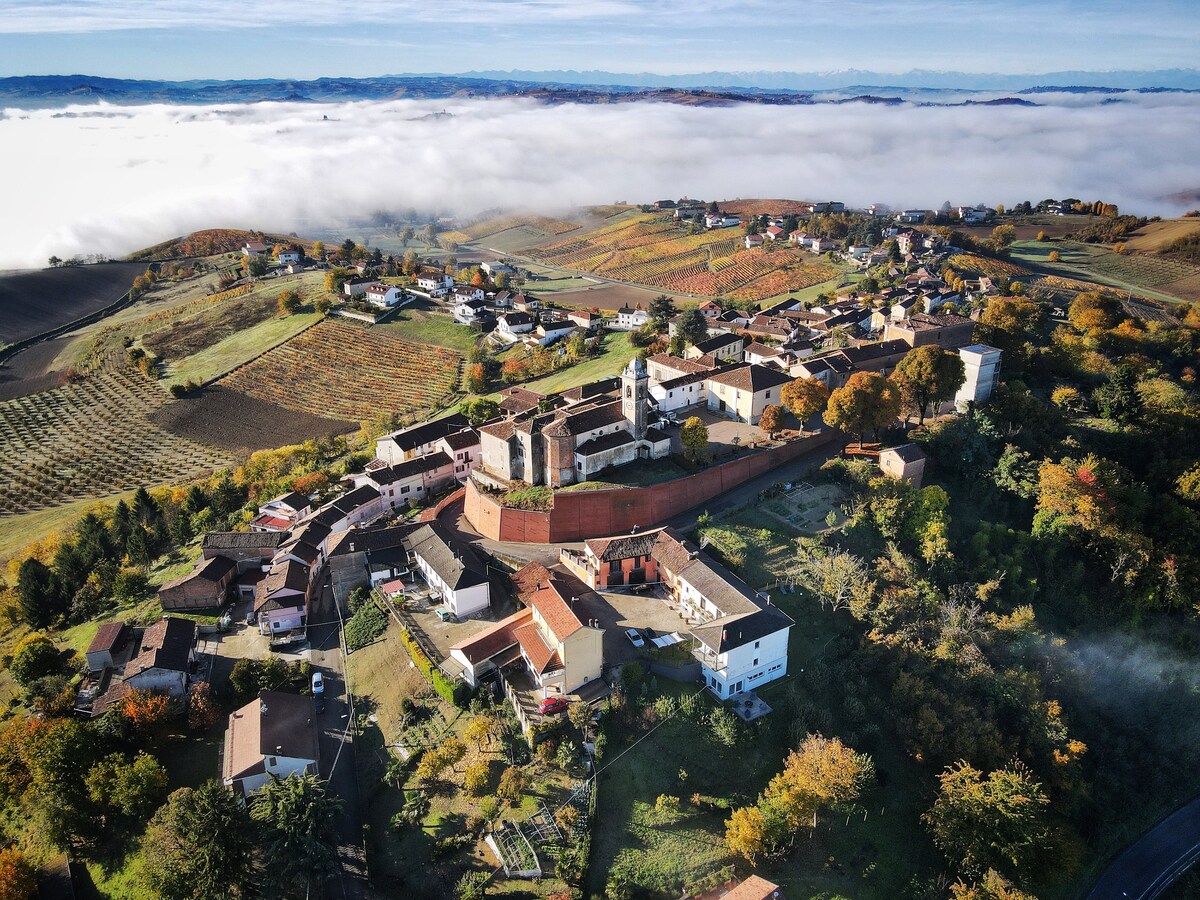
<point x="583" y="603"/>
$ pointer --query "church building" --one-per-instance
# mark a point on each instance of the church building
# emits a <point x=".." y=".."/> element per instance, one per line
<point x="574" y="436"/>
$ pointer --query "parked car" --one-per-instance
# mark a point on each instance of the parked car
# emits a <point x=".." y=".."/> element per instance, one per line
<point x="635" y="638"/>
<point x="552" y="705"/>
<point x="648" y="634"/>
<point x="318" y="684"/>
<point x="251" y="618"/>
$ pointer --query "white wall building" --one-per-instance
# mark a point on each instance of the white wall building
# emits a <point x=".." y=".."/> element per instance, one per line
<point x="983" y="373"/>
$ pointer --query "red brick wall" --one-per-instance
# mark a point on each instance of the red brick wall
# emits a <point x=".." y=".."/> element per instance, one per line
<point x="579" y="515"/>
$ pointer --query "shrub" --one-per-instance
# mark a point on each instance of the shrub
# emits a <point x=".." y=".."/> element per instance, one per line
<point x="365" y="626"/>
<point x="513" y="783"/>
<point x="35" y="657"/>
<point x="476" y="778"/>
<point x="453" y="692"/>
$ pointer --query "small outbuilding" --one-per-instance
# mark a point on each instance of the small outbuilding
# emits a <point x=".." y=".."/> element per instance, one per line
<point x="903" y="463"/>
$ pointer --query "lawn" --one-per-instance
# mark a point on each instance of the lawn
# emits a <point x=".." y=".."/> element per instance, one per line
<point x="420" y="324"/>
<point x="19" y="531"/>
<point x="616" y="353"/>
<point x="637" y="474"/>
<point x="1094" y="262"/>
<point x="239" y="348"/>
<point x="871" y="852"/>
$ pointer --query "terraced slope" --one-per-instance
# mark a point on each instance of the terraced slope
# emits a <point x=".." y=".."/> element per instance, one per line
<point x="91" y="439"/>
<point x="344" y="371"/>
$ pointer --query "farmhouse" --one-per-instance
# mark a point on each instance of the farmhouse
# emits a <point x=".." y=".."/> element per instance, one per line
<point x="281" y="513"/>
<point x="554" y="639"/>
<point x="468" y="311"/>
<point x="722" y="347"/>
<point x="356" y="287"/>
<point x="511" y="326"/>
<point x="289" y="257"/>
<point x="753" y="240"/>
<point x="584" y="318"/>
<point x="254" y="248"/>
<point x="385" y="295"/>
<point x="249" y="549"/>
<point x="205" y="587"/>
<point x="281" y="599"/>
<point x="464" y="292"/>
<point x="572" y="443"/>
<point x="414" y="479"/>
<point x="630" y="319"/>
<point x="272" y="735"/>
<point x="164" y="657"/>
<point x="451" y="569"/>
<point x="550" y="330"/>
<point x="435" y="283"/>
<point x="107" y="645"/>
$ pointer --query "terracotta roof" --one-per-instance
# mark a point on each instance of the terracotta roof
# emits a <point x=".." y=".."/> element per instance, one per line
<point x="491" y="641"/>
<point x="552" y="599"/>
<point x="273" y="724"/>
<point x="108" y="636"/>
<point x="754" y="888"/>
<point x="678" y="363"/>
<point x="751" y="378"/>
<point x="273" y="522"/>
<point x="502" y="430"/>
<point x="527" y="578"/>
<point x="541" y="656"/>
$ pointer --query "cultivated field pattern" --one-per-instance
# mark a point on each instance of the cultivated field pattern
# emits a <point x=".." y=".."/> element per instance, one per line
<point x="91" y="439"/>
<point x="652" y="250"/>
<point x="344" y="371"/>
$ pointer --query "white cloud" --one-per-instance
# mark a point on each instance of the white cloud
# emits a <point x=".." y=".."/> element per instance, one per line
<point x="111" y="179"/>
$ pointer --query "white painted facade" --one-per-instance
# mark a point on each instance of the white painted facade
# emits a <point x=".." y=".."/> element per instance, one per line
<point x="747" y="667"/>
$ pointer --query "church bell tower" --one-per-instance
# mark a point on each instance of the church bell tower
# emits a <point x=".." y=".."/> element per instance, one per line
<point x="635" y="396"/>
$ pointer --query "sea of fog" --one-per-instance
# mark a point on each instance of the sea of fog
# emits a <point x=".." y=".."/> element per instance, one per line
<point x="110" y="179"/>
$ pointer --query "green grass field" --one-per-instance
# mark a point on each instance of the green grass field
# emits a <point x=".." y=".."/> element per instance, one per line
<point x="239" y="348"/>
<point x="431" y="328"/>
<point x="617" y="352"/>
<point x="1095" y="262"/>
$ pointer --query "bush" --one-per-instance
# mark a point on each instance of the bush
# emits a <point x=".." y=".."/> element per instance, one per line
<point x="35" y="657"/>
<point x="476" y="778"/>
<point x="454" y="692"/>
<point x="365" y="626"/>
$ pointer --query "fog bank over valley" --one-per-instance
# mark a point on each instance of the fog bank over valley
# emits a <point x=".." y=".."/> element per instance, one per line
<point x="109" y="179"/>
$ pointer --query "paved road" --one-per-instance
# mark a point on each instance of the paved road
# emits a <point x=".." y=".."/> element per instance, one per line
<point x="1158" y="857"/>
<point x="337" y="750"/>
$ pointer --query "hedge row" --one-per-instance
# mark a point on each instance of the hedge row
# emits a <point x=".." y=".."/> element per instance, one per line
<point x="455" y="692"/>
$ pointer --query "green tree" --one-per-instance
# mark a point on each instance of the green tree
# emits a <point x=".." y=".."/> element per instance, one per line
<point x="997" y="822"/>
<point x="479" y="409"/>
<point x="804" y="398"/>
<point x="296" y="817"/>
<point x="694" y="437"/>
<point x="724" y="727"/>
<point x="38" y="594"/>
<point x="662" y="310"/>
<point x="1119" y="400"/>
<point x="323" y="305"/>
<point x="289" y="302"/>
<point x="255" y="265"/>
<point x="35" y="657"/>
<point x="472" y="886"/>
<point x="928" y="374"/>
<point x="692" y="327"/>
<point x="868" y="401"/>
<point x="130" y="787"/>
<point x="198" y="845"/>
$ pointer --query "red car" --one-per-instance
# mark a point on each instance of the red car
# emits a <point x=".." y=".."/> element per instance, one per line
<point x="552" y="705"/>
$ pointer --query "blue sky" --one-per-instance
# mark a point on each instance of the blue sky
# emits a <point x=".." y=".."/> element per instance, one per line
<point x="180" y="39"/>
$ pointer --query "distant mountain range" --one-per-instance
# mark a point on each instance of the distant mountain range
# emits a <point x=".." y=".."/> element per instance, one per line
<point x="705" y="89"/>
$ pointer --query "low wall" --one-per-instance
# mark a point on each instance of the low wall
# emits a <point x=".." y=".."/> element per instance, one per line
<point x="579" y="515"/>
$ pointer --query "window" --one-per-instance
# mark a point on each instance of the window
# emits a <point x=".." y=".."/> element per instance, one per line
<point x="404" y="490"/>
<point x="272" y="762"/>
<point x="756" y="643"/>
<point x="755" y="663"/>
<point x="768" y="395"/>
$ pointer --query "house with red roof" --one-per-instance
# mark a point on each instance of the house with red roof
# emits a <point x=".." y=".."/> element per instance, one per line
<point x="552" y="638"/>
